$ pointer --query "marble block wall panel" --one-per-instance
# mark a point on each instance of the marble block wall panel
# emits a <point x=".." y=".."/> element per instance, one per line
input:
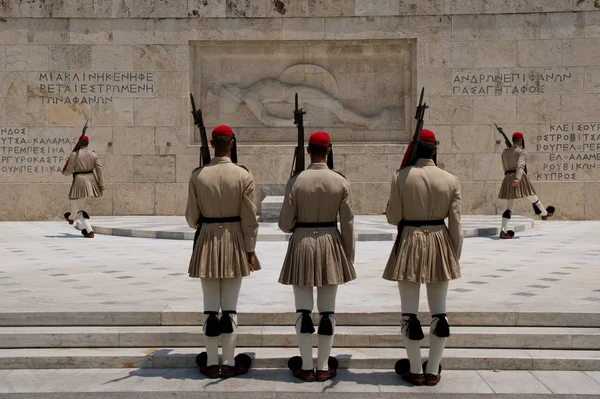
<point x="252" y="85"/>
<point x="127" y="66"/>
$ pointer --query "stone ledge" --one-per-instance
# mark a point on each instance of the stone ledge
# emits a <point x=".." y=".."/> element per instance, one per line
<point x="356" y="358"/>
<point x="168" y="317"/>
<point x="140" y="9"/>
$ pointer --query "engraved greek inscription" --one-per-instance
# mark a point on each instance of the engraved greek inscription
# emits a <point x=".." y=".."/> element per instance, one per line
<point x="22" y="154"/>
<point x="570" y="151"/>
<point x="93" y="87"/>
<point x="509" y="83"/>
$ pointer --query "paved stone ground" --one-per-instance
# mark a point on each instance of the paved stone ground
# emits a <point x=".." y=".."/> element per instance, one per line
<point x="269" y="382"/>
<point x="367" y="227"/>
<point x="50" y="266"/>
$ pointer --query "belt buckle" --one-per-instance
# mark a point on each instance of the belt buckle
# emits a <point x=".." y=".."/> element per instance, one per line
<point x="426" y="231"/>
<point x="316" y="231"/>
<point x="221" y="226"/>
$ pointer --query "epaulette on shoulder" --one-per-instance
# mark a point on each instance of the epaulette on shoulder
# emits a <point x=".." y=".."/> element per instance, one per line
<point x="296" y="173"/>
<point x="198" y="168"/>
<point x="243" y="167"/>
<point x="339" y="173"/>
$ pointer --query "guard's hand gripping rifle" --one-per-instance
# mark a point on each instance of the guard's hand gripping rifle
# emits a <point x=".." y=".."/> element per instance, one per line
<point x="78" y="144"/>
<point x="507" y="141"/>
<point x="204" y="151"/>
<point x="299" y="152"/>
<point x="412" y="157"/>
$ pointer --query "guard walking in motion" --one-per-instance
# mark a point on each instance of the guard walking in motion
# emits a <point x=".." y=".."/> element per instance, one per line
<point x="516" y="184"/>
<point x="86" y="168"/>
<point x="221" y="208"/>
<point x="319" y="255"/>
<point x="425" y="252"/>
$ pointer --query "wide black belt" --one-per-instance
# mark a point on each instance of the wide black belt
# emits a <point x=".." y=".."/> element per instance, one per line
<point x="203" y="220"/>
<point x="414" y="223"/>
<point x="311" y="225"/>
<point x="509" y="172"/>
<point x="230" y="219"/>
<point x="419" y="223"/>
<point x="82" y="173"/>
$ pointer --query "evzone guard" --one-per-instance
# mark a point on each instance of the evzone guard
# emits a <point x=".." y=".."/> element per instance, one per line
<point x="426" y="251"/>
<point x="85" y="167"/>
<point x="516" y="183"/>
<point x="221" y="208"/>
<point x="318" y="255"/>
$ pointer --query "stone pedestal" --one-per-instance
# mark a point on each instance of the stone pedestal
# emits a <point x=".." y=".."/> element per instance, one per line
<point x="270" y="208"/>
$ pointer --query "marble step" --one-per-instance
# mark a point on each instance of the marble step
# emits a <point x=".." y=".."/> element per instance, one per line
<point x="354" y="358"/>
<point x="285" y="336"/>
<point x="169" y="317"/>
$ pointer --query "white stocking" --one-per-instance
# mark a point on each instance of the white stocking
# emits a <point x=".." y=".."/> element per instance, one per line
<point x="85" y="222"/>
<point x="436" y="297"/>
<point x="211" y="293"/>
<point x="76" y="206"/>
<point x="230" y="291"/>
<point x="538" y="204"/>
<point x="409" y="298"/>
<point x="510" y="204"/>
<point x="304" y="300"/>
<point x="326" y="303"/>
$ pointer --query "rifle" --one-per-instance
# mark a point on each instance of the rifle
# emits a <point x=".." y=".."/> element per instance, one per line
<point x="77" y="145"/>
<point x="299" y="152"/>
<point x="412" y="157"/>
<point x="507" y="141"/>
<point x="204" y="151"/>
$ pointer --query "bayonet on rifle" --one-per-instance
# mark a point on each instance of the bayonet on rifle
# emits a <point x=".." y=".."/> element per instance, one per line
<point x="412" y="157"/>
<point x="299" y="152"/>
<point x="204" y="151"/>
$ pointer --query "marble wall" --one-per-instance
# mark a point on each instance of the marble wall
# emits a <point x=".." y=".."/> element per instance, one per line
<point x="127" y="66"/>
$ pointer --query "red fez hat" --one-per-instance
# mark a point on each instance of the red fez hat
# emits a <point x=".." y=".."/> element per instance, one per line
<point x="517" y="135"/>
<point x="222" y="130"/>
<point x="320" y="138"/>
<point x="426" y="135"/>
<point x="84" y="138"/>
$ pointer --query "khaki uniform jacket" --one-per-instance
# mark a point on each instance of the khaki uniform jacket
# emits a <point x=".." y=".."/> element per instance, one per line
<point x="515" y="159"/>
<point x="85" y="185"/>
<point x="318" y="256"/>
<point x="427" y="253"/>
<point x="218" y="190"/>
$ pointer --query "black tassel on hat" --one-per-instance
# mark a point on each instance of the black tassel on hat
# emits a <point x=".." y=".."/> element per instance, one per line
<point x="330" y="157"/>
<point x="234" y="150"/>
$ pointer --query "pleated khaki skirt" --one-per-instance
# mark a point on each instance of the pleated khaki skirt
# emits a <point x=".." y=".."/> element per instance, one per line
<point x="426" y="255"/>
<point x="85" y="186"/>
<point x="219" y="252"/>
<point x="508" y="191"/>
<point x="315" y="260"/>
